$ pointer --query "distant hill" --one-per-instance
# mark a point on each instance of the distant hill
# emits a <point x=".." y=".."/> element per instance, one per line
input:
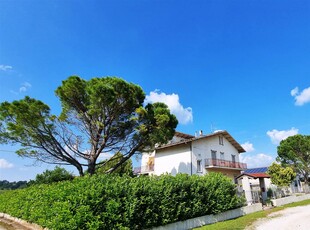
<point x="6" y="185"/>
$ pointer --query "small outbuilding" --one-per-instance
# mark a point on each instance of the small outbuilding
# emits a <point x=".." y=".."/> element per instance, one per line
<point x="254" y="183"/>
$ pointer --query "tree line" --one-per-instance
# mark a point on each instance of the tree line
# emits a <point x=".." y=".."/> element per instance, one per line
<point x="6" y="185"/>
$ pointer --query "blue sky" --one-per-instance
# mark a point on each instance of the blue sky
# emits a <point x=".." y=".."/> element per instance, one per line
<point x="229" y="65"/>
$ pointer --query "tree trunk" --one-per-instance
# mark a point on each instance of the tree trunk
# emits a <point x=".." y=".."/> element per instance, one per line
<point x="91" y="167"/>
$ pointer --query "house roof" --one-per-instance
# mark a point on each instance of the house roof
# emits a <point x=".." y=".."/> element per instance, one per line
<point x="257" y="170"/>
<point x="183" y="135"/>
<point x="256" y="173"/>
<point x="189" y="138"/>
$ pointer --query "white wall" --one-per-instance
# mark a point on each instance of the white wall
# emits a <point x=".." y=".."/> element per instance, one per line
<point x="145" y="157"/>
<point x="173" y="160"/>
<point x="204" y="146"/>
<point x="256" y="182"/>
<point x="202" y="149"/>
<point x="290" y="199"/>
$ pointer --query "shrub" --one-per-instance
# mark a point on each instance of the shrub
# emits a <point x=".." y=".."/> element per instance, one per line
<point x="114" y="202"/>
<point x="51" y="176"/>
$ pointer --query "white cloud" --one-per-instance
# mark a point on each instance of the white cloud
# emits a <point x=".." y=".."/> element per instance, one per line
<point x="248" y="147"/>
<point x="258" y="160"/>
<point x="4" y="164"/>
<point x="5" y="67"/>
<point x="277" y="136"/>
<point x="294" y="91"/>
<point x="184" y="115"/>
<point x="25" y="86"/>
<point x="302" y="97"/>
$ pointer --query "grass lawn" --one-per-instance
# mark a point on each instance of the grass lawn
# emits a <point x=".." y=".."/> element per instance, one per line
<point x="244" y="221"/>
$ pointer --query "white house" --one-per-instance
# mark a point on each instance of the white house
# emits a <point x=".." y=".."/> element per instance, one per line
<point x="215" y="152"/>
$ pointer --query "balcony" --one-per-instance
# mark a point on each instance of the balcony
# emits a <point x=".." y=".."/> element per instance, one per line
<point x="137" y="170"/>
<point x="144" y="169"/>
<point x="217" y="163"/>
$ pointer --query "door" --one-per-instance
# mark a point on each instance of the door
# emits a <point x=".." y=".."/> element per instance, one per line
<point x="213" y="155"/>
<point x="233" y="159"/>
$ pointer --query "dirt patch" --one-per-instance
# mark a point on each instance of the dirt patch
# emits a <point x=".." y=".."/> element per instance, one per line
<point x="10" y="225"/>
<point x="7" y="224"/>
<point x="4" y="226"/>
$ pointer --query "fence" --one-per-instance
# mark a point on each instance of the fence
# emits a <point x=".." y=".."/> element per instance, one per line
<point x="255" y="195"/>
<point x="252" y="197"/>
<point x="278" y="192"/>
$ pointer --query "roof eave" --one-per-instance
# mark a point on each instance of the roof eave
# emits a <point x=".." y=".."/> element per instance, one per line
<point x="189" y="140"/>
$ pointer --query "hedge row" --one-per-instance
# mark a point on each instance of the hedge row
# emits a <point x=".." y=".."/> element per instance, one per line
<point x="113" y="202"/>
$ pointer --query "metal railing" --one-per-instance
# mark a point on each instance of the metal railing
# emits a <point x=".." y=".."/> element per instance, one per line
<point x="209" y="162"/>
<point x="137" y="170"/>
<point x="147" y="168"/>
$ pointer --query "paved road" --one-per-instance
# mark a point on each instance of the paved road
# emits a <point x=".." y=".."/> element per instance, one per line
<point x="297" y="218"/>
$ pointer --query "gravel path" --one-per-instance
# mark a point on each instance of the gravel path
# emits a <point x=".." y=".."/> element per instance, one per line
<point x="297" y="218"/>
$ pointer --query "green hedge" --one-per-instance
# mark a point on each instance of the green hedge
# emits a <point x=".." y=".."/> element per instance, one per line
<point x="113" y="202"/>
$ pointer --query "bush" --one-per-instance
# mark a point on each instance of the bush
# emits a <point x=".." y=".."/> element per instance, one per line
<point x="51" y="176"/>
<point x="113" y="202"/>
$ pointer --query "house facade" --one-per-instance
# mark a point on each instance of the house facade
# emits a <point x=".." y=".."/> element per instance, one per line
<point x="200" y="154"/>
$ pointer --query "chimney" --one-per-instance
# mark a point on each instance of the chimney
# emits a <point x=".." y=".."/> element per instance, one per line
<point x="200" y="133"/>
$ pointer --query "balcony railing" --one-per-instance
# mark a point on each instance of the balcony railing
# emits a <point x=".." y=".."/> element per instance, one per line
<point x="147" y="168"/>
<point x="224" y="164"/>
<point x="137" y="170"/>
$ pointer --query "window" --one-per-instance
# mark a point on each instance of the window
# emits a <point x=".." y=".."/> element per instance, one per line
<point x="199" y="168"/>
<point x="221" y="141"/>
<point x="222" y="156"/>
